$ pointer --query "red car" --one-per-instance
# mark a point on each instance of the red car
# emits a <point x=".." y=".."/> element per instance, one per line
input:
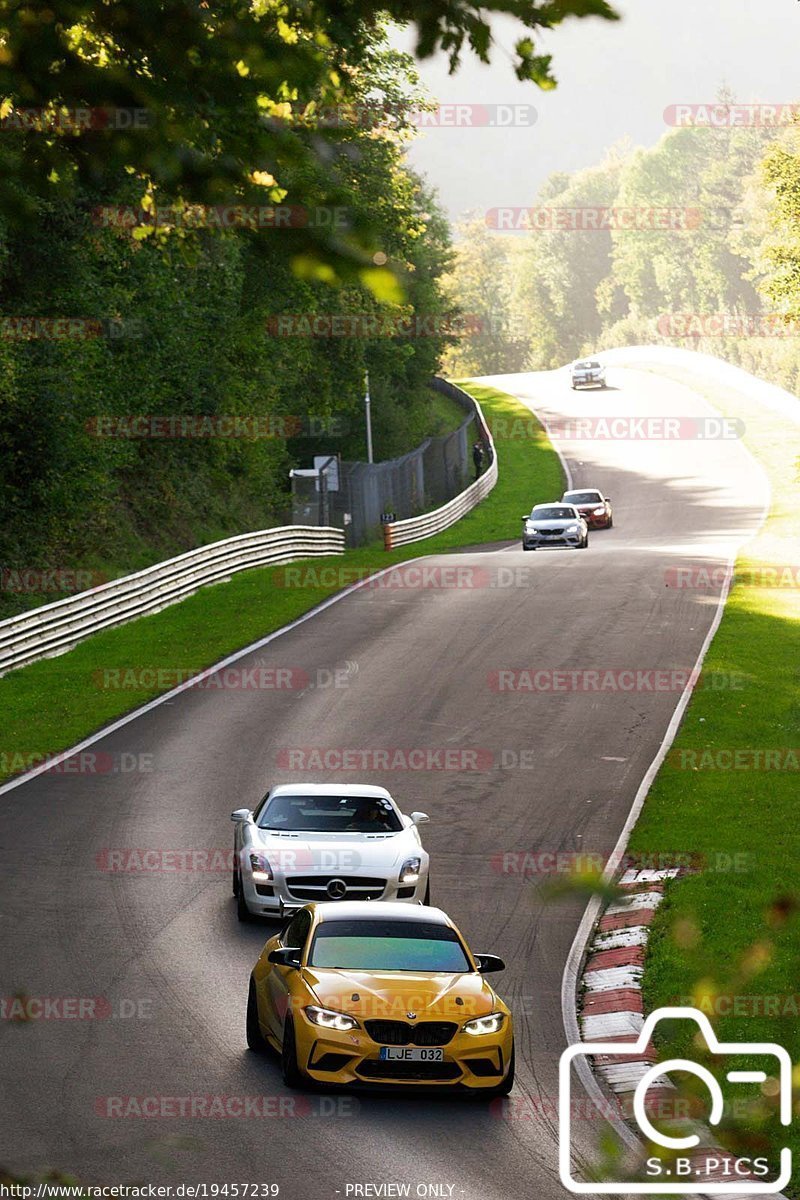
<point x="594" y="507"/>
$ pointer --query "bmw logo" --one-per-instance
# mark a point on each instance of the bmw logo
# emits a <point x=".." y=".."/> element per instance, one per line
<point x="411" y="1016"/>
<point x="337" y="889"/>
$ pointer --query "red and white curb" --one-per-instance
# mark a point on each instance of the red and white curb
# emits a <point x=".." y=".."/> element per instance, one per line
<point x="612" y="1011"/>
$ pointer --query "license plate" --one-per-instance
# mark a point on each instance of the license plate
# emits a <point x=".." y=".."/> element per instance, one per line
<point x="411" y="1054"/>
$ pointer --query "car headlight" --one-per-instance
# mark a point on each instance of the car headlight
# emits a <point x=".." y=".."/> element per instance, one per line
<point x="328" y="1018"/>
<point x="599" y="512"/>
<point x="574" y="529"/>
<point x="490" y="1024"/>
<point x="409" y="872"/>
<point x="262" y="871"/>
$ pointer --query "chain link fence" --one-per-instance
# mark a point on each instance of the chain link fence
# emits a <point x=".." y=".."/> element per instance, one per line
<point x="357" y="496"/>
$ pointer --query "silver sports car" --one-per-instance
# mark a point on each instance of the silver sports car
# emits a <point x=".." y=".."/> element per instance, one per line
<point x="312" y="841"/>
<point x="554" y="525"/>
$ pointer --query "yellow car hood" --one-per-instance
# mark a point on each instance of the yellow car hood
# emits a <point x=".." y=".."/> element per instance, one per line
<point x="392" y="995"/>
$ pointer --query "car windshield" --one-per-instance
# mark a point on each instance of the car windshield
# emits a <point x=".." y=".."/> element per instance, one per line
<point x="330" y="814"/>
<point x="583" y="498"/>
<point x="552" y="514"/>
<point x="582" y="365"/>
<point x="388" y="945"/>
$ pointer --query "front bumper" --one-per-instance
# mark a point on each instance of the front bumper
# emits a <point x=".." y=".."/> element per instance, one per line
<point x="533" y="541"/>
<point x="353" y="1059"/>
<point x="268" y="899"/>
<point x="588" y="381"/>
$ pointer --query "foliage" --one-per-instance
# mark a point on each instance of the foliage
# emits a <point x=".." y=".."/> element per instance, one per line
<point x="229" y="97"/>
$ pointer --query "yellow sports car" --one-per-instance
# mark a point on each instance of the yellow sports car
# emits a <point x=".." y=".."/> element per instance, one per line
<point x="376" y="993"/>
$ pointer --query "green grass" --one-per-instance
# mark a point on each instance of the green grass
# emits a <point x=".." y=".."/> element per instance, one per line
<point x="730" y="933"/>
<point x="52" y="704"/>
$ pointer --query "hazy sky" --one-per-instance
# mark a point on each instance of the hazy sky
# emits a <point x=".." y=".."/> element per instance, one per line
<point x="615" y="79"/>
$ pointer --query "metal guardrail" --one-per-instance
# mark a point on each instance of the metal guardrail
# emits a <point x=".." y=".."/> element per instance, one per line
<point x="416" y="529"/>
<point x="57" y="627"/>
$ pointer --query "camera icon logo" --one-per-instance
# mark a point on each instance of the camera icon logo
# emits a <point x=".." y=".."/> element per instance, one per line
<point x="671" y="1169"/>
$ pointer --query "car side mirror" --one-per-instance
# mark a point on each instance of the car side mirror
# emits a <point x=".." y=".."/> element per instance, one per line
<point x="609" y="499"/>
<point x="286" y="956"/>
<point x="241" y="814"/>
<point x="487" y="963"/>
<point x="420" y="818"/>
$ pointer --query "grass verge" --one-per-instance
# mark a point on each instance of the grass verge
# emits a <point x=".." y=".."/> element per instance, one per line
<point x="727" y="938"/>
<point x="50" y="705"/>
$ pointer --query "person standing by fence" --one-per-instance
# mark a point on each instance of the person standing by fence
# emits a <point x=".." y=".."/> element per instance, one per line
<point x="477" y="458"/>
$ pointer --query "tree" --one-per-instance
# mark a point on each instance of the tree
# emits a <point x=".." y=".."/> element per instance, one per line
<point x="219" y="103"/>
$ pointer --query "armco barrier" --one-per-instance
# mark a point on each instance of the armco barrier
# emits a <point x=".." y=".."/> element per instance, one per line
<point x="416" y="529"/>
<point x="57" y="627"/>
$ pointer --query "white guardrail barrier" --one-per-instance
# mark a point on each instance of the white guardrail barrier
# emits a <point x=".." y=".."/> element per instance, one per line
<point x="416" y="529"/>
<point x="57" y="627"/>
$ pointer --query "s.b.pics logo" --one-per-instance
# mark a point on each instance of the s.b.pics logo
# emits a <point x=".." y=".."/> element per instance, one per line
<point x="680" y="1156"/>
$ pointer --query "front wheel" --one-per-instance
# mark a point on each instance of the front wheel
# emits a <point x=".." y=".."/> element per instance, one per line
<point x="427" y="899"/>
<point x="242" y="911"/>
<point x="292" y="1075"/>
<point x="255" y="1038"/>
<point x="585" y="543"/>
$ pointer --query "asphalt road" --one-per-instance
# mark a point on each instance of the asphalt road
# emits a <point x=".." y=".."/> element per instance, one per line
<point x="535" y="773"/>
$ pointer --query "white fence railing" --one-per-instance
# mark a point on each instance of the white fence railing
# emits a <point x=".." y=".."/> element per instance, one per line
<point x="57" y="627"/>
<point x="416" y="529"/>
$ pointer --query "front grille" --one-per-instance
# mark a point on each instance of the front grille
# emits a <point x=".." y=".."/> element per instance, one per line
<point x="315" y="887"/>
<point x="399" y="1033"/>
<point x="374" y="1069"/>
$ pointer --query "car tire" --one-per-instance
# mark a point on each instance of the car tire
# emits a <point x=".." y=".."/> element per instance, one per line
<point x="292" y="1075"/>
<point x="427" y="899"/>
<point x="235" y="883"/>
<point x="610" y="524"/>
<point x="505" y="1087"/>
<point x="255" y="1038"/>
<point x="242" y="911"/>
